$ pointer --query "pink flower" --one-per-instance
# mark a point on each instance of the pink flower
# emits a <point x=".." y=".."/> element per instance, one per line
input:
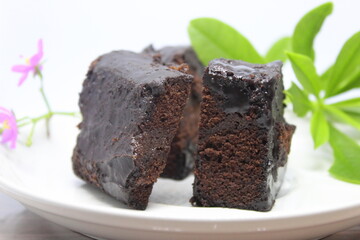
<point x="8" y="127"/>
<point x="32" y="64"/>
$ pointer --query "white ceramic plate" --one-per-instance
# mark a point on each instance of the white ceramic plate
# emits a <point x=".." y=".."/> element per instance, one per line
<point x="311" y="203"/>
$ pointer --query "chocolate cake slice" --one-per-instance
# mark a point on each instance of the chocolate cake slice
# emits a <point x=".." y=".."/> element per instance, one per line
<point x="131" y="110"/>
<point x="244" y="140"/>
<point x="183" y="151"/>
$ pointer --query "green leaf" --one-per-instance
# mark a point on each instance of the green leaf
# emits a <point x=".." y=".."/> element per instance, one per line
<point x="355" y="84"/>
<point x="299" y="99"/>
<point x="354" y="115"/>
<point x="212" y="38"/>
<point x="305" y="72"/>
<point x="346" y="65"/>
<point x="319" y="128"/>
<point x="342" y="116"/>
<point x="346" y="166"/>
<point x="277" y="51"/>
<point x="307" y="29"/>
<point x="325" y="77"/>
<point x="351" y="105"/>
<point x="350" y="82"/>
<point x="287" y="98"/>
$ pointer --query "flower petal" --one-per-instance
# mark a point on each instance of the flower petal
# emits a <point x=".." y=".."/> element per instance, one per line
<point x="11" y="134"/>
<point x="13" y="124"/>
<point x="21" y="68"/>
<point x="40" y="45"/>
<point x="6" y="136"/>
<point x="35" y="60"/>
<point x="8" y="112"/>
<point x="23" y="78"/>
<point x="3" y="117"/>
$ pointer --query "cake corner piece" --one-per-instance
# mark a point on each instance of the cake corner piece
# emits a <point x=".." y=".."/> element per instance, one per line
<point x="243" y="137"/>
<point x="127" y="125"/>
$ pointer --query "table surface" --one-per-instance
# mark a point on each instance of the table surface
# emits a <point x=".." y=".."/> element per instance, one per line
<point x="16" y="222"/>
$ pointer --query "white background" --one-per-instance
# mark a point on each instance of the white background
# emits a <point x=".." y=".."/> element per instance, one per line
<point x="76" y="32"/>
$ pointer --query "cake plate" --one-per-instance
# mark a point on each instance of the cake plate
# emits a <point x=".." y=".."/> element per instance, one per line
<point x="311" y="203"/>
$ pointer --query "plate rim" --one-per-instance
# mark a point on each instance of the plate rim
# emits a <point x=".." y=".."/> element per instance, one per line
<point x="148" y="221"/>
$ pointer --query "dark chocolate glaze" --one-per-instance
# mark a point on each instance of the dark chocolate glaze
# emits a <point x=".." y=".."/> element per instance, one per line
<point x="184" y="146"/>
<point x="244" y="102"/>
<point x="248" y="87"/>
<point x="117" y="142"/>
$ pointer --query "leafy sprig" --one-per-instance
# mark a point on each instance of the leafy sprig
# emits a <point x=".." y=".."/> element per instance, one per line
<point x="212" y="39"/>
<point x="315" y="92"/>
<point x="342" y="76"/>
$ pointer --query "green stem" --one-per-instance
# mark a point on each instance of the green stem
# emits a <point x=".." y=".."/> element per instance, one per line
<point x="46" y="102"/>
<point x="29" y="138"/>
<point x="22" y="119"/>
<point x="46" y="116"/>
<point x="22" y="122"/>
<point x="36" y="120"/>
<point x="45" y="99"/>
<point x="72" y="114"/>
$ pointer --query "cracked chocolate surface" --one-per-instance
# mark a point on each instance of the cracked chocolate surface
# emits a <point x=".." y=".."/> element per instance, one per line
<point x="127" y="125"/>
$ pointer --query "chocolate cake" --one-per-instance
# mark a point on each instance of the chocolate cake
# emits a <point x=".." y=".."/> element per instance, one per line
<point x="131" y="110"/>
<point x="243" y="138"/>
<point x="183" y="151"/>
